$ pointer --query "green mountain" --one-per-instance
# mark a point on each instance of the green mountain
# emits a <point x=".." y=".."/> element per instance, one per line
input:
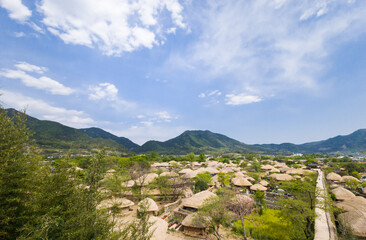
<point x="53" y="137"/>
<point x="354" y="142"/>
<point x="100" y="133"/>
<point x="198" y="141"/>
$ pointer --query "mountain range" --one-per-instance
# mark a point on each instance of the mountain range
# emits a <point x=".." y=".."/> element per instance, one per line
<point x="52" y="136"/>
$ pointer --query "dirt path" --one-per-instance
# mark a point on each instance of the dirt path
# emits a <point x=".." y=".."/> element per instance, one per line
<point x="324" y="227"/>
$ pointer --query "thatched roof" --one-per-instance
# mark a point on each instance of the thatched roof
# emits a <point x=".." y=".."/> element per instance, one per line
<point x="355" y="203"/>
<point x="267" y="167"/>
<point x="249" y="178"/>
<point x="111" y="171"/>
<point x="185" y="170"/>
<point x="264" y="183"/>
<point x="295" y="171"/>
<point x="342" y="194"/>
<point x="192" y="221"/>
<point x="212" y="170"/>
<point x="169" y="174"/>
<point x="356" y="221"/>
<point x="121" y="202"/>
<point x="150" y="204"/>
<point x="364" y="190"/>
<point x="198" y="199"/>
<point x="239" y="174"/>
<point x="146" y="179"/>
<point x="259" y="187"/>
<point x="275" y="170"/>
<point x="189" y="175"/>
<point x="281" y="177"/>
<point x="349" y="178"/>
<point x="284" y="169"/>
<point x="241" y="182"/>
<point x="159" y="228"/>
<point x="334" y="177"/>
<point x="78" y="169"/>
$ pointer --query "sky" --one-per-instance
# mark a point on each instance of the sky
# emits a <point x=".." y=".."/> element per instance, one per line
<point x="259" y="71"/>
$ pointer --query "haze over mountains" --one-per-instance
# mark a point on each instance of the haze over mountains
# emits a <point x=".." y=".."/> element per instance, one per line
<point x="50" y="135"/>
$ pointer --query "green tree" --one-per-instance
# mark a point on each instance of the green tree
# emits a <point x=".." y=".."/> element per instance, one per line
<point x="223" y="178"/>
<point x="256" y="166"/>
<point x="259" y="198"/>
<point x="17" y="174"/>
<point x="202" y="157"/>
<point x="300" y="207"/>
<point x="214" y="214"/>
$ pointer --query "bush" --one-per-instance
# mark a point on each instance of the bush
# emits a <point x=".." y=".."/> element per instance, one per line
<point x="200" y="185"/>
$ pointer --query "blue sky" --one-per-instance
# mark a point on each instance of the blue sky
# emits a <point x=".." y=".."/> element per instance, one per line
<point x="260" y="71"/>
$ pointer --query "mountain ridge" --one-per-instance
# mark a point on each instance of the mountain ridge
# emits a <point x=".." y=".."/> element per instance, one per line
<point x="50" y="134"/>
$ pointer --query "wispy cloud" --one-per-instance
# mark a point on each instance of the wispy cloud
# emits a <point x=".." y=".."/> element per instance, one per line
<point x="45" y="110"/>
<point x="17" y="10"/>
<point x="269" y="46"/>
<point x="43" y="82"/>
<point x="241" y="99"/>
<point x="113" y="26"/>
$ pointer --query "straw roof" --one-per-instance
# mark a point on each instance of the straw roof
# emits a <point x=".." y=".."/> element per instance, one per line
<point x="264" y="183"/>
<point x="239" y="174"/>
<point x="188" y="175"/>
<point x="146" y="179"/>
<point x="212" y="170"/>
<point x="348" y="178"/>
<point x="250" y="178"/>
<point x="158" y="228"/>
<point x="342" y="194"/>
<point x="241" y="182"/>
<point x="111" y="171"/>
<point x="185" y="170"/>
<point x="169" y="174"/>
<point x="284" y="169"/>
<point x="267" y="167"/>
<point x="356" y="203"/>
<point x="364" y="190"/>
<point x="122" y="203"/>
<point x="150" y="204"/>
<point x="275" y="170"/>
<point x="191" y="221"/>
<point x="356" y="221"/>
<point x="295" y="171"/>
<point x="281" y="177"/>
<point x="259" y="187"/>
<point x="78" y="169"/>
<point x="198" y="199"/>
<point x="334" y="177"/>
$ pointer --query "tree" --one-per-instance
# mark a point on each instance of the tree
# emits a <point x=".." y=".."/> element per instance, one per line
<point x="300" y="207"/>
<point x="202" y="181"/>
<point x="191" y="157"/>
<point x="138" y="172"/>
<point x="259" y="198"/>
<point x="17" y="172"/>
<point x="241" y="205"/>
<point x="202" y="157"/>
<point x="214" y="214"/>
<point x="223" y="178"/>
<point x="256" y="166"/>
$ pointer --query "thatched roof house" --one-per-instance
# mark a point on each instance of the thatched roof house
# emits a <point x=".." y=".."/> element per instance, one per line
<point x="189" y="175"/>
<point x="158" y="228"/>
<point x="151" y="206"/>
<point x="169" y="174"/>
<point x="184" y="171"/>
<point x="122" y="203"/>
<point x="197" y="200"/>
<point x="274" y="170"/>
<point x="241" y="182"/>
<point x="263" y="183"/>
<point x="356" y="221"/>
<point x="249" y="178"/>
<point x="356" y="203"/>
<point x="267" y="167"/>
<point x="349" y="178"/>
<point x="295" y="171"/>
<point x="334" y="177"/>
<point x="281" y="177"/>
<point x="342" y="194"/>
<point x="192" y="226"/>
<point x="259" y="187"/>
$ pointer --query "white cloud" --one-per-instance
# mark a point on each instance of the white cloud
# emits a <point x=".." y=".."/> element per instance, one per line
<point x="268" y="45"/>
<point x="114" y="26"/>
<point x="45" y="111"/>
<point x="30" y="68"/>
<point x="19" y="34"/>
<point x="156" y="117"/>
<point x="43" y="82"/>
<point x="202" y="95"/>
<point x="105" y="91"/>
<point x="16" y="9"/>
<point x="241" y="99"/>
<point x="143" y="133"/>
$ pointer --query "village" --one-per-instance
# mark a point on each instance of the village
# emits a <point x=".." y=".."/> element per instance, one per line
<point x="174" y="193"/>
